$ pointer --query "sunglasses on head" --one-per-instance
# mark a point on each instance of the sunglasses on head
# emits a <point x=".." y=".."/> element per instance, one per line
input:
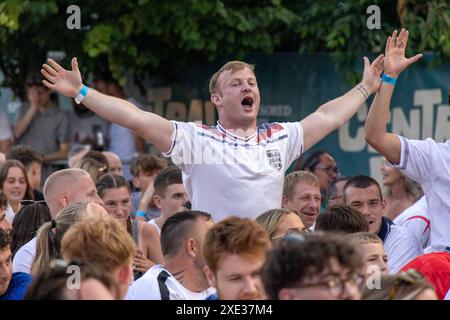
<point x="27" y="202"/>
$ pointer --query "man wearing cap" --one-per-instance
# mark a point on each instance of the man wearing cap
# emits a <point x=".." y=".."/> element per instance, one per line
<point x="42" y="125"/>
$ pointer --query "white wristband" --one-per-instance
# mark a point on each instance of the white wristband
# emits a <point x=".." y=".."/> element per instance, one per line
<point x="82" y="94"/>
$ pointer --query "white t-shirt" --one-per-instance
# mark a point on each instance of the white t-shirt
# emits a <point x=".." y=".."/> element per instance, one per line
<point x="9" y="214"/>
<point x="24" y="257"/>
<point x="158" y="284"/>
<point x="5" y="129"/>
<point x="225" y="174"/>
<point x="428" y="163"/>
<point x="155" y="225"/>
<point x="417" y="220"/>
<point x="401" y="247"/>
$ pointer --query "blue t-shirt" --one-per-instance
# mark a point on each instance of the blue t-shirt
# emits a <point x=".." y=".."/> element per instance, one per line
<point x="17" y="287"/>
<point x="213" y="296"/>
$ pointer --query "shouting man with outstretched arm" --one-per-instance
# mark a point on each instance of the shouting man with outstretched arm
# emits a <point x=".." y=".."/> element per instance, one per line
<point x="235" y="167"/>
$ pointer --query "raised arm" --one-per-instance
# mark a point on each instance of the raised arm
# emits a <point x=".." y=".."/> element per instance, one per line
<point x="149" y="126"/>
<point x="333" y="114"/>
<point x="395" y="62"/>
<point x="22" y="124"/>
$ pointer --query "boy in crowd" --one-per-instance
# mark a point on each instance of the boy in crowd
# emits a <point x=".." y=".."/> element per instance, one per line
<point x="372" y="248"/>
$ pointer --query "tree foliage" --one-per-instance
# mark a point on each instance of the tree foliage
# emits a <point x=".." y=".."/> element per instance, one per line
<point x="141" y="37"/>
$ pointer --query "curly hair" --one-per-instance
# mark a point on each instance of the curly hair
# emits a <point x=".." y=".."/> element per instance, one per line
<point x="5" y="239"/>
<point x="147" y="163"/>
<point x="296" y="259"/>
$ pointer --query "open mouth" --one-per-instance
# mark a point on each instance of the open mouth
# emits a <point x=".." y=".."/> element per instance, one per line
<point x="247" y="102"/>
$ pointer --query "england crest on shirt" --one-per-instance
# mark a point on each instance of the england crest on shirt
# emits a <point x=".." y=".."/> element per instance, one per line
<point x="274" y="158"/>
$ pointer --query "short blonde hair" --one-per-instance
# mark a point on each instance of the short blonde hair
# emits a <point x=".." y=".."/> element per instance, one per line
<point x="101" y="241"/>
<point x="271" y="220"/>
<point x="293" y="178"/>
<point x="364" y="238"/>
<point x="232" y="66"/>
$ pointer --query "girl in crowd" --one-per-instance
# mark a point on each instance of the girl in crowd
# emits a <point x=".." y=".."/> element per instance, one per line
<point x="14" y="183"/>
<point x="116" y="195"/>
<point x="27" y="222"/>
<point x="280" y="222"/>
<point x="400" y="192"/>
<point x="49" y="235"/>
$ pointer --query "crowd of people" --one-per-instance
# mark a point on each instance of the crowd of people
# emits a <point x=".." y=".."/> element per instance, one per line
<point x="215" y="216"/>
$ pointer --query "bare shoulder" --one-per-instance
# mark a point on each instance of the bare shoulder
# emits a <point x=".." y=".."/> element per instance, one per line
<point x="147" y="230"/>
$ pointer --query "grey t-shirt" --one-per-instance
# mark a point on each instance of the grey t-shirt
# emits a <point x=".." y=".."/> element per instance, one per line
<point x="47" y="130"/>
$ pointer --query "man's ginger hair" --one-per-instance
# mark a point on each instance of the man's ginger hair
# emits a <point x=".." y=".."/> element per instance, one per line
<point x="234" y="236"/>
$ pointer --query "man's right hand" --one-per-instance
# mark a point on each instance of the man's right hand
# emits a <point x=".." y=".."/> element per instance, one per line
<point x="395" y="60"/>
<point x="64" y="81"/>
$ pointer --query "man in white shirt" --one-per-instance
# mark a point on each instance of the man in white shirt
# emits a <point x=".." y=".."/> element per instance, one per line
<point x="417" y="220"/>
<point x="60" y="189"/>
<point x="425" y="161"/>
<point x="181" y="277"/>
<point x="364" y="194"/>
<point x="169" y="195"/>
<point x="235" y="167"/>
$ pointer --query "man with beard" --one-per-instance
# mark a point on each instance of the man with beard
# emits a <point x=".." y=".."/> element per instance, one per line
<point x="235" y="251"/>
<point x="181" y="277"/>
<point x="301" y="194"/>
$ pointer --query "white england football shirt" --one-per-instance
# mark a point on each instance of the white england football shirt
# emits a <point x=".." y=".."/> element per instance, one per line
<point x="416" y="219"/>
<point x="225" y="174"/>
<point x="428" y="163"/>
<point x="158" y="284"/>
<point x="401" y="247"/>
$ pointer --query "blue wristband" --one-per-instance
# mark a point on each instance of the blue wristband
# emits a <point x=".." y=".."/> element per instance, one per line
<point x="141" y="214"/>
<point x="82" y="94"/>
<point x="388" y="79"/>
